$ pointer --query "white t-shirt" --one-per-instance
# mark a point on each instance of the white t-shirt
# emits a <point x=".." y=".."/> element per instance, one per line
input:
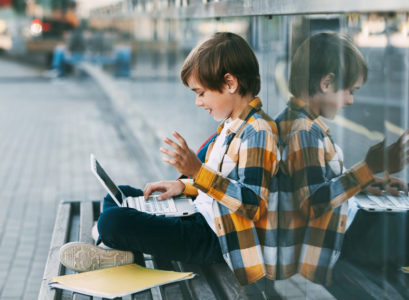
<point x="203" y="202"/>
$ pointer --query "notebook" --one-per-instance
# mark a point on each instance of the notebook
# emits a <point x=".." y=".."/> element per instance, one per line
<point x="117" y="281"/>
<point x="180" y="206"/>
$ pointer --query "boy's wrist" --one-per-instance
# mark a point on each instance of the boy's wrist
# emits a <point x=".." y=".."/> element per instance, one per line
<point x="182" y="185"/>
<point x="197" y="171"/>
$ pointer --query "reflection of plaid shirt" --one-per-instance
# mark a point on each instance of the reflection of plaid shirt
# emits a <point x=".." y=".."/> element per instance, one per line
<point x="313" y="194"/>
<point x="246" y="192"/>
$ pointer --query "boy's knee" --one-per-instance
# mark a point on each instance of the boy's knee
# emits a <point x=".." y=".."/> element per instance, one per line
<point x="110" y="222"/>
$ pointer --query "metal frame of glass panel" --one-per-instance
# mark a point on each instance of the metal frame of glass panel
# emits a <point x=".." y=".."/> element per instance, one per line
<point x="171" y="9"/>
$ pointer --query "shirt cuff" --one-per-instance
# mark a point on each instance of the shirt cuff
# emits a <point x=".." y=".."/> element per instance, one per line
<point x="204" y="178"/>
<point x="362" y="173"/>
<point x="189" y="190"/>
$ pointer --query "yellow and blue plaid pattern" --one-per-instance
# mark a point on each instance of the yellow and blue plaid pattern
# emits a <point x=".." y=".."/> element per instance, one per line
<point x="246" y="192"/>
<point x="313" y="194"/>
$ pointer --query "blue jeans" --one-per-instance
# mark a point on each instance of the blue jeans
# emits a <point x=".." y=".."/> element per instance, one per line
<point x="187" y="239"/>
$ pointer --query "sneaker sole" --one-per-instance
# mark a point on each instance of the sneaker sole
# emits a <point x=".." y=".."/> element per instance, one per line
<point x="82" y="257"/>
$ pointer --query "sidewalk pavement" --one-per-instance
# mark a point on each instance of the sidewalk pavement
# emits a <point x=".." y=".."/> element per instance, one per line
<point x="48" y="129"/>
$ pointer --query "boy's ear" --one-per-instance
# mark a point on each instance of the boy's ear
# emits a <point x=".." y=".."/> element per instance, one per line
<point x="231" y="83"/>
<point x="326" y="82"/>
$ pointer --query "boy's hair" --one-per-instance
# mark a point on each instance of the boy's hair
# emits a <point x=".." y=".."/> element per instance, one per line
<point x="322" y="54"/>
<point x="223" y="53"/>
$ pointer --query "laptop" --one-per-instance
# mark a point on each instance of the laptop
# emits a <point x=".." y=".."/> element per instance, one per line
<point x="385" y="203"/>
<point x="180" y="206"/>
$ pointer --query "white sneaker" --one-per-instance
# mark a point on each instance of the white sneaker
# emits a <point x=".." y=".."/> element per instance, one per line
<point x="82" y="257"/>
<point x="94" y="232"/>
<point x="95" y="236"/>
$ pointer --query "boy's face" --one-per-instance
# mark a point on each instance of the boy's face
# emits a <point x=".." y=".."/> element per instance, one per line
<point x="332" y="102"/>
<point x="219" y="104"/>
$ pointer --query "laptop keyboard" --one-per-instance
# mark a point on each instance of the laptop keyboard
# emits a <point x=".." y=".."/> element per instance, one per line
<point x="402" y="201"/>
<point x="386" y="201"/>
<point x="366" y="202"/>
<point x="152" y="205"/>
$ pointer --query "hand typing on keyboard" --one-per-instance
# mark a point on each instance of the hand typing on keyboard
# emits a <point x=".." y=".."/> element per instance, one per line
<point x="167" y="188"/>
<point x="393" y="186"/>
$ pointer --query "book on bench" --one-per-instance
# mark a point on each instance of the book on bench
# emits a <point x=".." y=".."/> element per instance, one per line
<point x="117" y="281"/>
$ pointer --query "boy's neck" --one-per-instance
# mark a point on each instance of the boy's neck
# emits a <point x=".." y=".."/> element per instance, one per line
<point x="313" y="104"/>
<point x="242" y="102"/>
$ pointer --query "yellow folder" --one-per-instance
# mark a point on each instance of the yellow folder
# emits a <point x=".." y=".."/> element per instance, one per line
<point x="117" y="281"/>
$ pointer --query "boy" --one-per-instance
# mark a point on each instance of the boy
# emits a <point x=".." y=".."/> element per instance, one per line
<point x="235" y="188"/>
<point x="314" y="189"/>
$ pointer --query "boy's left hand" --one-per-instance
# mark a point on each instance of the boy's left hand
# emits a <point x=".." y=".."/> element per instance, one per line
<point x="183" y="158"/>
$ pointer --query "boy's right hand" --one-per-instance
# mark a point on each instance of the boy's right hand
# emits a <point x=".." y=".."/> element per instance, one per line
<point x="168" y="189"/>
<point x="397" y="155"/>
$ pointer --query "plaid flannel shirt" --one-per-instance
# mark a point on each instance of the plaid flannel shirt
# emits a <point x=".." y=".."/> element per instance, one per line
<point x="313" y="194"/>
<point x="246" y="193"/>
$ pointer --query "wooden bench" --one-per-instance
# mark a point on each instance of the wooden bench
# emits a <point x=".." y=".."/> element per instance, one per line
<point x="74" y="222"/>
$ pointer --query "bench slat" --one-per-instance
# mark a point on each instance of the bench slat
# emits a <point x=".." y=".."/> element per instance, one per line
<point x="196" y="288"/>
<point x="77" y="296"/>
<point x="145" y="295"/>
<point x="86" y="222"/>
<point x="222" y="281"/>
<point x="156" y="291"/>
<point x="353" y="282"/>
<point x="53" y="266"/>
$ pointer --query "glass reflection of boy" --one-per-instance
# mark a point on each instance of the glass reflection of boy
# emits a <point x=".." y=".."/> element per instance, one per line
<point x="314" y="187"/>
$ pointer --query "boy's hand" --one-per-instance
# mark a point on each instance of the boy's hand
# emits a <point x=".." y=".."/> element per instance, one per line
<point x="168" y="189"/>
<point x="395" y="185"/>
<point x="376" y="187"/>
<point x="392" y="186"/>
<point x="183" y="158"/>
<point x="397" y="155"/>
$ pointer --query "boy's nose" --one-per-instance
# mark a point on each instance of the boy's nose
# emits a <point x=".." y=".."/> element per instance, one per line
<point x="349" y="100"/>
<point x="198" y="102"/>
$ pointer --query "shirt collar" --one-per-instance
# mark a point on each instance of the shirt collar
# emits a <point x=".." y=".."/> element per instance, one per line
<point x="300" y="105"/>
<point x="254" y="106"/>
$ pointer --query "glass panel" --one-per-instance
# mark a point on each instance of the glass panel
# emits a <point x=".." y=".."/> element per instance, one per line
<point x="396" y="70"/>
<point x="379" y="110"/>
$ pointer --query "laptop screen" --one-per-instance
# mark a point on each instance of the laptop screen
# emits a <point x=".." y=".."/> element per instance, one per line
<point x="108" y="182"/>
